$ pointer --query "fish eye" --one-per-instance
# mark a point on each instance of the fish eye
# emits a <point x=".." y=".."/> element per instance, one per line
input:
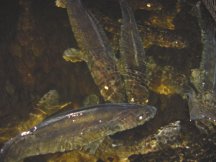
<point x="140" y="117"/>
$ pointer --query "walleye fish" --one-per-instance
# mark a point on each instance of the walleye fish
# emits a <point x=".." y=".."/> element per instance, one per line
<point x="95" y="51"/>
<point x="202" y="100"/>
<point x="81" y="129"/>
<point x="132" y="62"/>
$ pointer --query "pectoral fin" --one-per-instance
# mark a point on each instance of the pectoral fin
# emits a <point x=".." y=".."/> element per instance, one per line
<point x="73" y="55"/>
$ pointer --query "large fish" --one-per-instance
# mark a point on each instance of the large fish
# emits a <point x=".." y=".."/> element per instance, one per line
<point x="202" y="100"/>
<point x="95" y="51"/>
<point x="76" y="130"/>
<point x="132" y="62"/>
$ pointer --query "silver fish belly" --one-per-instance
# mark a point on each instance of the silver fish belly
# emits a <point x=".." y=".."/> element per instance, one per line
<point x="97" y="51"/>
<point x="202" y="101"/>
<point x="132" y="62"/>
<point x="73" y="130"/>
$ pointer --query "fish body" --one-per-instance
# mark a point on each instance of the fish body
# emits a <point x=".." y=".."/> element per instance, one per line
<point x="132" y="62"/>
<point x="73" y="130"/>
<point x="96" y="51"/>
<point x="202" y="101"/>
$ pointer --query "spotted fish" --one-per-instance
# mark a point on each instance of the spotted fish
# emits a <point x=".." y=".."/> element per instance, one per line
<point x="202" y="100"/>
<point x="81" y="129"/>
<point x="95" y="51"/>
<point x="132" y="62"/>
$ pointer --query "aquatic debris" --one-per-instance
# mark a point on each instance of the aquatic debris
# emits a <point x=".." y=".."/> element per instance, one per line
<point x="165" y="79"/>
<point x="82" y="129"/>
<point x="162" y="37"/>
<point x="202" y="99"/>
<point x="150" y="35"/>
<point x="165" y="18"/>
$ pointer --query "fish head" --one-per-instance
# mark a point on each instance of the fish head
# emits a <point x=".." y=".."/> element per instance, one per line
<point x="136" y="115"/>
<point x="144" y="113"/>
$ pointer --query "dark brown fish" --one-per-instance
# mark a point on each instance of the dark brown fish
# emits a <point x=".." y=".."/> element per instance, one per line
<point x="76" y="130"/>
<point x="96" y="51"/>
